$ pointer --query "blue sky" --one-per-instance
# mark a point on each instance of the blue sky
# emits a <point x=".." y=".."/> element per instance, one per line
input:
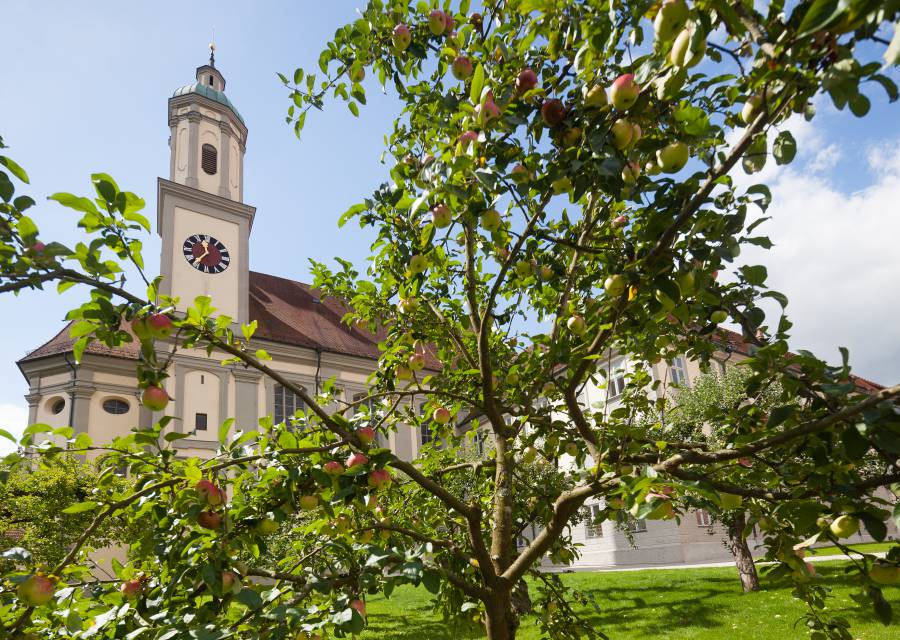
<point x="85" y="89"/>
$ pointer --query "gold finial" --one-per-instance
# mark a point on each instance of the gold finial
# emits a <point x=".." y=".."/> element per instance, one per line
<point x="212" y="49"/>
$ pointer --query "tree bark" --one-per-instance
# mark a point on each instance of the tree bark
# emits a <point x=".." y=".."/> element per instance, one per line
<point x="500" y="622"/>
<point x="743" y="559"/>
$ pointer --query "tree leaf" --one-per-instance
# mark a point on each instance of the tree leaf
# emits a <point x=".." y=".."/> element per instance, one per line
<point x="820" y="15"/>
<point x="81" y="507"/>
<point x="14" y="168"/>
<point x="477" y="84"/>
<point x="892" y="53"/>
<point x="784" y="148"/>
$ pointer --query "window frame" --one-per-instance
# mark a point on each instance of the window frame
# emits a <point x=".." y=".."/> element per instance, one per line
<point x="116" y="402"/>
<point x="296" y="403"/>
<point x="704" y="521"/>
<point x="593" y="530"/>
<point x="678" y="373"/>
<point x="197" y="421"/>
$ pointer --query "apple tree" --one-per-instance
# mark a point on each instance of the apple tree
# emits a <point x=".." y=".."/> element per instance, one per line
<point x="561" y="189"/>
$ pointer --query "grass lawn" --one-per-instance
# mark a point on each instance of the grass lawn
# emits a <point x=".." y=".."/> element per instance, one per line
<point x="683" y="603"/>
<point x="864" y="547"/>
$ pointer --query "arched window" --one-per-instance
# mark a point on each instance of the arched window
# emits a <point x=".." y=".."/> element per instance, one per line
<point x="209" y="159"/>
<point x="115" y="406"/>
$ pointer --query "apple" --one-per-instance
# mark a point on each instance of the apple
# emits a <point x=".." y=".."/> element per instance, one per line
<point x="408" y="305"/>
<point x="622" y="134"/>
<point x="417" y="361"/>
<point x="209" y="493"/>
<point x="491" y="220"/>
<point x="209" y="520"/>
<point x="520" y="174"/>
<point x="357" y="460"/>
<point x="476" y="20"/>
<point x="686" y="282"/>
<point x="630" y="172"/>
<point x="37" y="247"/>
<point x="672" y="157"/>
<point x="681" y="54"/>
<point x="546" y="272"/>
<point x="670" y="19"/>
<point x="131" y="589"/>
<point x="844" y="526"/>
<point x="523" y="268"/>
<point x="615" y="504"/>
<point x="401" y="37"/>
<point x="529" y="454"/>
<point x="357" y="72"/>
<point x="512" y="379"/>
<point x="884" y="573"/>
<point x="571" y="137"/>
<point x="333" y="468"/>
<point x="651" y="168"/>
<point x="36" y="590"/>
<point x="624" y="92"/>
<point x="468" y="136"/>
<point x="718" y="316"/>
<point x="561" y="185"/>
<point x="487" y="112"/>
<point x="437" y="22"/>
<point x="366" y="435"/>
<point x="441" y="415"/>
<point x="308" y="503"/>
<point x="450" y="21"/>
<point x="665" y="508"/>
<point x="155" y="398"/>
<point x="266" y="526"/>
<point x="440" y="216"/>
<point x="572" y="449"/>
<point x="751" y="108"/>
<point x="360" y="607"/>
<point x="614" y="285"/>
<point x="595" y="97"/>
<point x="730" y="500"/>
<point x="404" y="373"/>
<point x="379" y="478"/>
<point x="461" y="68"/>
<point x="159" y="325"/>
<point x="526" y="81"/>
<point x="229" y="580"/>
<point x="576" y="325"/>
<point x="620" y="221"/>
<point x="553" y="112"/>
<point x="417" y="264"/>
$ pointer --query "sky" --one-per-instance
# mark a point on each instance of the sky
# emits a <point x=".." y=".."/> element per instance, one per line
<point x="85" y="88"/>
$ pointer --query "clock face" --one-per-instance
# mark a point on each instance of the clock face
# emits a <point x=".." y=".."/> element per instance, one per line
<point x="206" y="254"/>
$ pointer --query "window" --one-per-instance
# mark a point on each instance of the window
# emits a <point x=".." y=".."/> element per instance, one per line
<point x="56" y="406"/>
<point x="592" y="527"/>
<point x="615" y="383"/>
<point x="427" y="435"/>
<point x="678" y="371"/>
<point x="634" y="525"/>
<point x="287" y="403"/>
<point x="115" y="406"/>
<point x="209" y="159"/>
<point x="703" y="519"/>
<point x="200" y="422"/>
<point x="210" y="80"/>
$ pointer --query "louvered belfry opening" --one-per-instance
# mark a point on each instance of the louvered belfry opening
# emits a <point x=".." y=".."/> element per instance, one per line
<point x="209" y="159"/>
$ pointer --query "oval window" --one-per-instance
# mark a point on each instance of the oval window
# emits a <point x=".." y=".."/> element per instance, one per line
<point x="57" y="405"/>
<point x="209" y="159"/>
<point x="115" y="406"/>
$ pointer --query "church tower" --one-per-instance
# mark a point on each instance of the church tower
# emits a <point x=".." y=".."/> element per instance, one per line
<point x="201" y="217"/>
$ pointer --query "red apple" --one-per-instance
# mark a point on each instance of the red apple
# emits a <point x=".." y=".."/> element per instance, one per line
<point x="210" y="493"/>
<point x="417" y="361"/>
<point x="441" y="415"/>
<point x="468" y="136"/>
<point x="401" y="37"/>
<point x="131" y="589"/>
<point x="155" y="398"/>
<point x="620" y="221"/>
<point x="159" y="325"/>
<point x="333" y="468"/>
<point x="37" y="247"/>
<point x="360" y="607"/>
<point x="487" y="112"/>
<point x="553" y="112"/>
<point x="440" y="216"/>
<point x="450" y="21"/>
<point x="229" y="580"/>
<point x="437" y="22"/>
<point x="366" y="435"/>
<point x="357" y="460"/>
<point x="520" y="174"/>
<point x="526" y="81"/>
<point x="379" y="478"/>
<point x="36" y="590"/>
<point x="308" y="503"/>
<point x="461" y="68"/>
<point x="624" y="92"/>
<point x="209" y="519"/>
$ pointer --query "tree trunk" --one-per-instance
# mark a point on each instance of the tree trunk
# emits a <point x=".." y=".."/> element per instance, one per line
<point x="743" y="559"/>
<point x="499" y="620"/>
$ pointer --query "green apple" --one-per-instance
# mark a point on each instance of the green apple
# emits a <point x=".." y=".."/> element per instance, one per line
<point x="440" y="216"/>
<point x="670" y="19"/>
<point x="529" y="454"/>
<point x="685" y="282"/>
<point x="614" y="285"/>
<point x="718" y="316"/>
<point x="730" y="500"/>
<point x="417" y="264"/>
<point x="308" y="503"/>
<point x="681" y="54"/>
<point x="844" y="526"/>
<point x="561" y="185"/>
<point x="437" y="22"/>
<point x="622" y="134"/>
<point x="401" y="37"/>
<point x="630" y="172"/>
<point x="491" y="220"/>
<point x="884" y="573"/>
<point x="672" y="157"/>
<point x="576" y="324"/>
<point x="595" y="97"/>
<point x="751" y="108"/>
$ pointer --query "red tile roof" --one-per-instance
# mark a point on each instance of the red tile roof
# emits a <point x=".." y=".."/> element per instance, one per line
<point x="62" y="343"/>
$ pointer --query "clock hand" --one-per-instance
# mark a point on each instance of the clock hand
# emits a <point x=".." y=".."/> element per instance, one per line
<point x="200" y="257"/>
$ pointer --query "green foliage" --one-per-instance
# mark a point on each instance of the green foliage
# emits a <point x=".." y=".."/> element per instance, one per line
<point x="603" y="225"/>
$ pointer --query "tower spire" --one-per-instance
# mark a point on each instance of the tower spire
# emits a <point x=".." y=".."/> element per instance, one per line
<point x="212" y="49"/>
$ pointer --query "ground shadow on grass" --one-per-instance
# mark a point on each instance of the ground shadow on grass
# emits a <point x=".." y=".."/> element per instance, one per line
<point x="409" y="616"/>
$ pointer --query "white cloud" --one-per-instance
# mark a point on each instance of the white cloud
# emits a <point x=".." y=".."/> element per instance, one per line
<point x="836" y="257"/>
<point x="14" y="419"/>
